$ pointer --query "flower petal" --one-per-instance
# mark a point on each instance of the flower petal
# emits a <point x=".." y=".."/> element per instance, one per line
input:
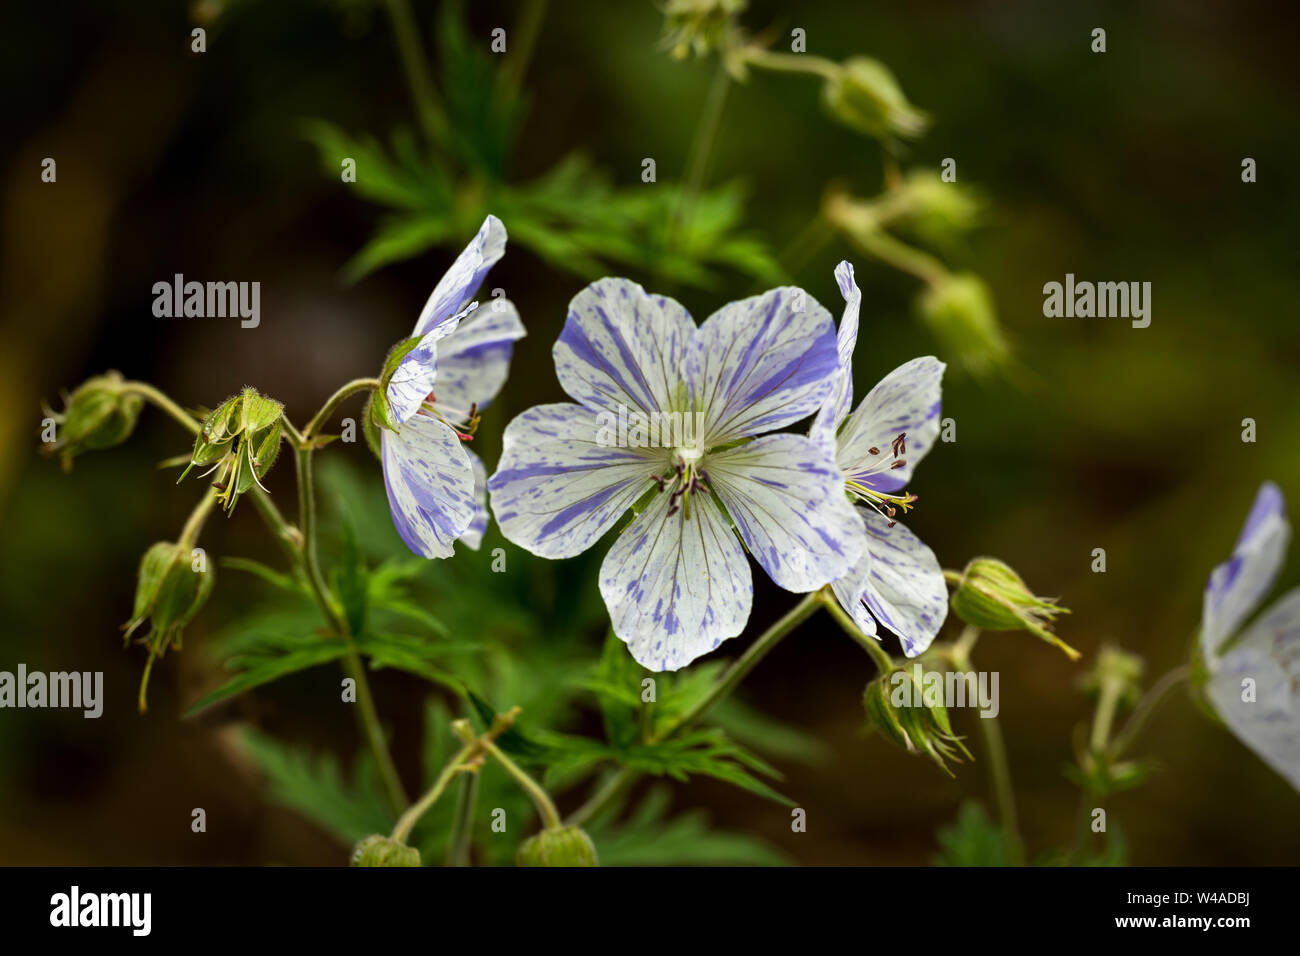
<point x="676" y="588"/>
<point x="1236" y="587"/>
<point x="900" y="583"/>
<point x="430" y="485"/>
<point x="558" y="487"/>
<point x="473" y="536"/>
<point x="457" y="287"/>
<point x="1269" y="654"/>
<point x="763" y="363"/>
<point x="840" y="400"/>
<point x="787" y="499"/>
<point x="622" y="347"/>
<point x="907" y="400"/>
<point x="412" y="380"/>
<point x="474" y="361"/>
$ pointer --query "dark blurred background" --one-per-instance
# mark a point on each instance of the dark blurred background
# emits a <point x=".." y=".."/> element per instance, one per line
<point x="1121" y="166"/>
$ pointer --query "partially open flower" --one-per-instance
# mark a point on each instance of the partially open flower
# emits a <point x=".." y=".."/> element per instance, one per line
<point x="99" y="414"/>
<point x="992" y="596"/>
<point x="240" y="442"/>
<point x="379" y="850"/>
<point x="562" y="846"/>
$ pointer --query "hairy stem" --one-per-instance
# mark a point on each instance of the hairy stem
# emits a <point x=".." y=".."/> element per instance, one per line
<point x="878" y="654"/>
<point x="157" y="398"/>
<point x="321" y="418"/>
<point x="406" y="823"/>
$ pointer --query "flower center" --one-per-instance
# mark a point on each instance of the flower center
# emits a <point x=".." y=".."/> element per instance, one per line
<point x="860" y="485"/>
<point x="464" y="422"/>
<point x="686" y="477"/>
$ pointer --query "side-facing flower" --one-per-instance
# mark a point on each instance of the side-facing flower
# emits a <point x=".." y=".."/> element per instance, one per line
<point x="676" y="581"/>
<point x="897" y="581"/>
<point x="436" y="486"/>
<point x="1253" y="675"/>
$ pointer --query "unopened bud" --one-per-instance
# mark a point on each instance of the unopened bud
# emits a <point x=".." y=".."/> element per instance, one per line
<point x="864" y="95"/>
<point x="99" y="414"/>
<point x="959" y="311"/>
<point x="991" y="596"/>
<point x="908" y="711"/>
<point x="563" y="846"/>
<point x="379" y="850"/>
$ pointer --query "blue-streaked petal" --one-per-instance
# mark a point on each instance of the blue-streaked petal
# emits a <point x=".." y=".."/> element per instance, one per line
<point x="558" y="486"/>
<point x="473" y="536"/>
<point x="1236" y="587"/>
<point x="786" y="496"/>
<point x="430" y="485"/>
<point x="676" y="588"/>
<point x="903" y="585"/>
<point x="1269" y="654"/>
<point x="906" y="401"/>
<point x="838" y="402"/>
<point x="413" y="379"/>
<point x="763" y="363"/>
<point x="622" y="347"/>
<point x="475" y="359"/>
<point x="849" y="589"/>
<point x="457" y="287"/>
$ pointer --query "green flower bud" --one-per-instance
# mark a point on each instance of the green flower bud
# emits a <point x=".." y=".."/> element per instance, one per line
<point x="1115" y="672"/>
<point x="959" y="311"/>
<point x="99" y="414"/>
<point x="936" y="211"/>
<point x="379" y="850"/>
<point x="168" y="594"/>
<point x="240" y="441"/>
<point x="993" y="597"/>
<point x="899" y="706"/>
<point x="564" y="846"/>
<point x="864" y="95"/>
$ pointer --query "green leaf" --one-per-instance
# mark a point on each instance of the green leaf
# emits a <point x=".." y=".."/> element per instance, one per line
<point x="267" y="669"/>
<point x="316" y="788"/>
<point x="971" y="840"/>
<point x="268" y="574"/>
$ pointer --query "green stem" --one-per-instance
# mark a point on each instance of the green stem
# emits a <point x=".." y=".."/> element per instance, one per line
<point x="541" y="799"/>
<point x="194" y="525"/>
<point x="367" y="715"/>
<point x="407" y="34"/>
<point x="900" y="255"/>
<point x="151" y="394"/>
<point x="321" y="418"/>
<point x="702" y="148"/>
<point x="790" y="62"/>
<point x="406" y="823"/>
<point x="884" y="663"/>
<point x="463" y="823"/>
<point x="1145" y="707"/>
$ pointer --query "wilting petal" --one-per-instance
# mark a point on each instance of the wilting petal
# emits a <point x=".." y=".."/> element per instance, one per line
<point x="837" y="404"/>
<point x="1238" y="585"/>
<point x="787" y="499"/>
<point x="903" y="585"/>
<point x="905" y="401"/>
<point x="457" y="287"/>
<point x="474" y="361"/>
<point x="763" y="363"/>
<point x="622" y="347"/>
<point x="559" y="486"/>
<point x="473" y="536"/>
<point x="1269" y="654"/>
<point x="412" y="380"/>
<point x="430" y="485"/>
<point x="676" y="588"/>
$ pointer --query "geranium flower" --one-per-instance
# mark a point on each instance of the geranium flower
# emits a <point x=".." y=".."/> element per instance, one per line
<point x="676" y="581"/>
<point x="897" y="581"/>
<point x="1268" y="651"/>
<point x="436" y="486"/>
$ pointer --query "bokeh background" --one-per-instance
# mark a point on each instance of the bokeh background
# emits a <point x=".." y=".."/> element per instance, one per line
<point x="1119" y="166"/>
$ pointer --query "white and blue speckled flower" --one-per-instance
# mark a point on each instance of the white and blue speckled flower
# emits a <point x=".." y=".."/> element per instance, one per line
<point x="897" y="581"/>
<point x="1267" y="652"/>
<point x="436" y="486"/>
<point x="676" y="581"/>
